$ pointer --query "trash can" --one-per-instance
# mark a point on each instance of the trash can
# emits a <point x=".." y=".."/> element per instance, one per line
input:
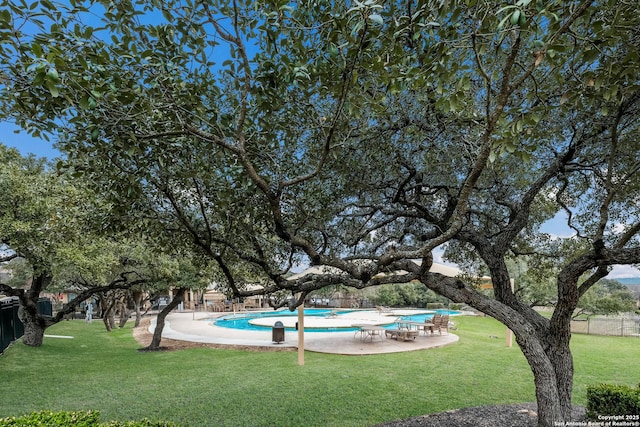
<point x="278" y="332"/>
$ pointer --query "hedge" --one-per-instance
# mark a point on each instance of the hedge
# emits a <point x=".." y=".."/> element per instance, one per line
<point x="74" y="419"/>
<point x="435" y="305"/>
<point x="610" y="399"/>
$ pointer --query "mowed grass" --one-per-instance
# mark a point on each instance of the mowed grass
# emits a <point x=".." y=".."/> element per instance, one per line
<point x="218" y="387"/>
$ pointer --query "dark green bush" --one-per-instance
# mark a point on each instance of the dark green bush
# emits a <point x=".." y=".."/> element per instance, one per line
<point x="74" y="419"/>
<point x="611" y="399"/>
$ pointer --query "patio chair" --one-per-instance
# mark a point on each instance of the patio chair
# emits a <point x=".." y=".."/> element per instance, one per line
<point x="426" y="327"/>
<point x="442" y="323"/>
<point x="436" y="323"/>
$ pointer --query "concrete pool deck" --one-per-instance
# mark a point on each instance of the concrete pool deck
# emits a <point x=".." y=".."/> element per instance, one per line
<point x="198" y="327"/>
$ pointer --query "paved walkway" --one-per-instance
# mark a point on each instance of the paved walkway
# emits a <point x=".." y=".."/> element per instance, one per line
<point x="198" y="327"/>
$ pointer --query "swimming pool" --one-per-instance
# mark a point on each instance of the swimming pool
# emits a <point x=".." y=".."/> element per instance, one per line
<point x="242" y="321"/>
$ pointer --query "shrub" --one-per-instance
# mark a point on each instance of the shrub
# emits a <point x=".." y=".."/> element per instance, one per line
<point x="611" y="399"/>
<point x="142" y="423"/>
<point x="74" y="419"/>
<point x="54" y="419"/>
<point x="435" y="305"/>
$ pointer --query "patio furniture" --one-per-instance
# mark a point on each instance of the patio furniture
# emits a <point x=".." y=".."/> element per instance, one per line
<point x="444" y="324"/>
<point x="369" y="331"/>
<point x="435" y="321"/>
<point x="403" y="324"/>
<point x="441" y="323"/>
<point x="427" y="326"/>
<point x="404" y="334"/>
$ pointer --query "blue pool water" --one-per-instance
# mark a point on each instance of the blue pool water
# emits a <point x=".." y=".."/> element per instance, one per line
<point x="241" y="320"/>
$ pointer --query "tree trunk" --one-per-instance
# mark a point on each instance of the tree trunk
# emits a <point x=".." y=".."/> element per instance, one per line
<point x="124" y="315"/>
<point x="138" y="315"/>
<point x="544" y="377"/>
<point x="547" y="350"/>
<point x="105" y="320"/>
<point x="562" y="360"/>
<point x="560" y="355"/>
<point x="107" y="304"/>
<point x="137" y="299"/>
<point x="34" y="325"/>
<point x="111" y="318"/>
<point x="125" y="312"/>
<point x="108" y="316"/>
<point x="544" y="343"/>
<point x="157" y="332"/>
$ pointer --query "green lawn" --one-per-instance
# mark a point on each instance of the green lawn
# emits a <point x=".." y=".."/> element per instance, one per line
<point x="103" y="371"/>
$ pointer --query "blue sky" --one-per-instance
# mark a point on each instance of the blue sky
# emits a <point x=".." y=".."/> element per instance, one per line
<point x="558" y="227"/>
<point x="25" y="143"/>
<point x="28" y="145"/>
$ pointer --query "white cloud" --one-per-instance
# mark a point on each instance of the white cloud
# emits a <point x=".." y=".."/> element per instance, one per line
<point x="623" y="271"/>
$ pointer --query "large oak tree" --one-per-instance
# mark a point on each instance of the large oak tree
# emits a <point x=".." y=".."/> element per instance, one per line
<point x="356" y="135"/>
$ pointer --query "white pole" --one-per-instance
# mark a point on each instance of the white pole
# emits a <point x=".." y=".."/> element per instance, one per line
<point x="301" y="334"/>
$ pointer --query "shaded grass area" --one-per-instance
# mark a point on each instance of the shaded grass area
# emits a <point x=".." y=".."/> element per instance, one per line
<point x="219" y="387"/>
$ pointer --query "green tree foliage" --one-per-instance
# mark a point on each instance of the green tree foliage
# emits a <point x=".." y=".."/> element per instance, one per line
<point x="38" y="218"/>
<point x="405" y="295"/>
<point x="607" y="297"/>
<point x="358" y="135"/>
<point x="49" y="226"/>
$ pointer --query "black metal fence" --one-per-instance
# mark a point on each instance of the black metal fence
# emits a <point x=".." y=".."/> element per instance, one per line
<point x="11" y="327"/>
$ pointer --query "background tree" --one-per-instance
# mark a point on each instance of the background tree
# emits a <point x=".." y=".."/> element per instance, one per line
<point x="48" y="224"/>
<point x="177" y="272"/>
<point x="406" y="295"/>
<point x="605" y="298"/>
<point x="359" y="136"/>
<point x="96" y="261"/>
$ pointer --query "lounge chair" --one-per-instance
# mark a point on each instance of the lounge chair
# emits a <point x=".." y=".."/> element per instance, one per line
<point x="404" y="334"/>
<point x="391" y="333"/>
